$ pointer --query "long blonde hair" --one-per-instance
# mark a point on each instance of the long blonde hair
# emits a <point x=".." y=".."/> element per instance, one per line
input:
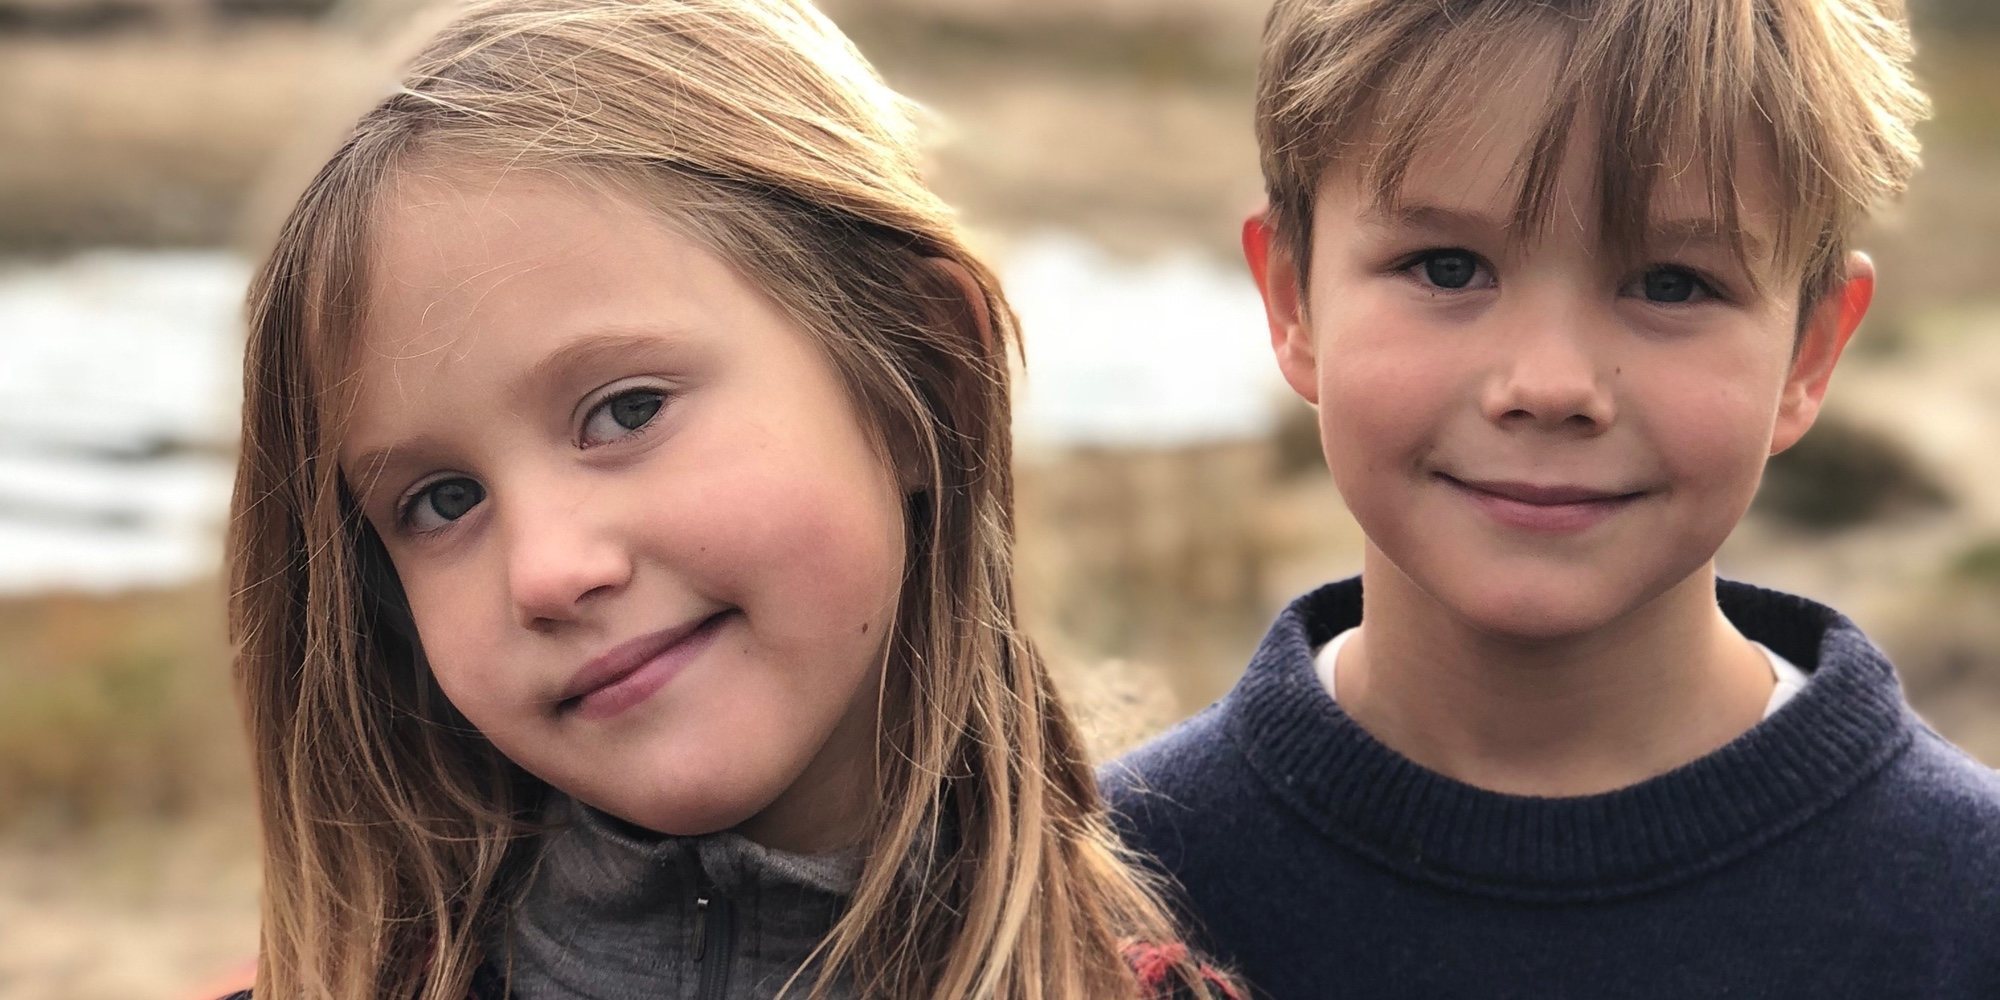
<point x="393" y="832"/>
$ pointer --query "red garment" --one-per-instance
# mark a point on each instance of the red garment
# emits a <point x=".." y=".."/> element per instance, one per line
<point x="1154" y="965"/>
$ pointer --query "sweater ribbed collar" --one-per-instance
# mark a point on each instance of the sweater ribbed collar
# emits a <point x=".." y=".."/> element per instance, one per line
<point x="1847" y="723"/>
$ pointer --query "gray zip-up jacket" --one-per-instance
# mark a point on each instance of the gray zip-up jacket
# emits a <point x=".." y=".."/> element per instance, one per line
<point x="613" y="912"/>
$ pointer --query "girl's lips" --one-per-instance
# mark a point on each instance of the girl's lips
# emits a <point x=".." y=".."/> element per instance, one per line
<point x="633" y="671"/>
<point x="1557" y="509"/>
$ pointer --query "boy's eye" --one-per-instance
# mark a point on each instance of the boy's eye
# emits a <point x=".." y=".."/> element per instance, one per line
<point x="441" y="503"/>
<point x="621" y="415"/>
<point x="1671" y="285"/>
<point x="1451" y="270"/>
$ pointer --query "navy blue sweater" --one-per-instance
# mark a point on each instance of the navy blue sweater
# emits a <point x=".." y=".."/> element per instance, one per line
<point x="1838" y="849"/>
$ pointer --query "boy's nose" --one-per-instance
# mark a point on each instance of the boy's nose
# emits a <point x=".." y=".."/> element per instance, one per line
<point x="1550" y="378"/>
<point x="560" y="562"/>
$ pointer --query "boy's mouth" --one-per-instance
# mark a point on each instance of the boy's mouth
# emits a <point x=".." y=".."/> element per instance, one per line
<point x="1549" y="495"/>
<point x="1542" y="507"/>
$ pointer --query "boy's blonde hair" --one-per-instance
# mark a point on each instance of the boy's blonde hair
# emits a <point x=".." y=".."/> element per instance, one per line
<point x="394" y="834"/>
<point x="1360" y="85"/>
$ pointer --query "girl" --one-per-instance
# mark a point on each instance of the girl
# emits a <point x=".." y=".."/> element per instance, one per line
<point x="621" y="548"/>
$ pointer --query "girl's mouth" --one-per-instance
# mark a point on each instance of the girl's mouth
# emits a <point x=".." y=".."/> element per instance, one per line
<point x="632" y="671"/>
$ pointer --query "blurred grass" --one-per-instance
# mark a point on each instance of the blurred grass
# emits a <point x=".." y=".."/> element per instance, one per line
<point x="1135" y="131"/>
<point x="132" y="142"/>
<point x="115" y="708"/>
<point x="1979" y="565"/>
<point x="1844" y="474"/>
<point x="1127" y="119"/>
<point x="1147" y="575"/>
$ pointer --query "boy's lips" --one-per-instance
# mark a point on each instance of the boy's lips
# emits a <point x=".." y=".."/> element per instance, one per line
<point x="1553" y="494"/>
<point x="631" y="671"/>
<point x="1548" y="507"/>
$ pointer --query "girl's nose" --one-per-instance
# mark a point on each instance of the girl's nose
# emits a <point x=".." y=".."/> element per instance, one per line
<point x="1551" y="377"/>
<point x="561" y="563"/>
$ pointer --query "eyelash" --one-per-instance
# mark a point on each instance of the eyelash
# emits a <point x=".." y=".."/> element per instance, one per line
<point x="618" y="392"/>
<point x="1709" y="289"/>
<point x="406" y="507"/>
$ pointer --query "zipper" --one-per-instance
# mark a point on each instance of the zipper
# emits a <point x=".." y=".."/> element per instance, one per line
<point x="713" y="942"/>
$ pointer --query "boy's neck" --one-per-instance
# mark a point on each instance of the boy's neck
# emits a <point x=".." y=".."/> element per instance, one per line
<point x="1670" y="682"/>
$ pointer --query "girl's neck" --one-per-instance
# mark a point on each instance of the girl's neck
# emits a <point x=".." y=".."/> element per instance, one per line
<point x="1670" y="682"/>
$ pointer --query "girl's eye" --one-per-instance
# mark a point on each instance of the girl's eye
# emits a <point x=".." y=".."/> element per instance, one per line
<point x="1450" y="270"/>
<point x="1670" y="286"/>
<point x="621" y="415"/>
<point x="441" y="503"/>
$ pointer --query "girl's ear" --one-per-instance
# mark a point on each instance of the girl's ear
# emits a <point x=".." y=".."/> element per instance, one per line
<point x="961" y="302"/>
<point x="971" y="299"/>
<point x="1821" y="340"/>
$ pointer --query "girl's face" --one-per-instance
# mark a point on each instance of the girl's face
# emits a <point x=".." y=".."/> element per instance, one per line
<point x="651" y="550"/>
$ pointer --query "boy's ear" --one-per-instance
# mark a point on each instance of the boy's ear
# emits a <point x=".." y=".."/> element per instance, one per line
<point x="1823" y="337"/>
<point x="1277" y="277"/>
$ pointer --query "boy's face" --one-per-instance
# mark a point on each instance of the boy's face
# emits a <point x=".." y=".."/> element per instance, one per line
<point x="1539" y="438"/>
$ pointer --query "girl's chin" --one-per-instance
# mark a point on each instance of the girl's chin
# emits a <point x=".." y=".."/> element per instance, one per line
<point x="677" y="819"/>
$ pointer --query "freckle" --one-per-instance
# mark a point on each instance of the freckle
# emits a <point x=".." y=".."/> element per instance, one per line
<point x="1620" y="370"/>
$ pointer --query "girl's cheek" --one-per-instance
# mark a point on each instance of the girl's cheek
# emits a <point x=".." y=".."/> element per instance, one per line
<point x="789" y="520"/>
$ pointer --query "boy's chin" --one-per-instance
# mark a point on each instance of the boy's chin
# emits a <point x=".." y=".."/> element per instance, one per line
<point x="1540" y="608"/>
<point x="1538" y="623"/>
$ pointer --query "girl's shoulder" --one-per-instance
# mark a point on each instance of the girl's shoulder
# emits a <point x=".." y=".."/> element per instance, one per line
<point x="486" y="985"/>
<point x="1155" y="965"/>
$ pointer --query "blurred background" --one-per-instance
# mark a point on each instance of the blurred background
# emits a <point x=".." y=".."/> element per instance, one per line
<point x="1172" y="494"/>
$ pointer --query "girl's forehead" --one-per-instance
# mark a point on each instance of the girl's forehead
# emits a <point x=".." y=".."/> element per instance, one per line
<point x="481" y="282"/>
<point x="453" y="254"/>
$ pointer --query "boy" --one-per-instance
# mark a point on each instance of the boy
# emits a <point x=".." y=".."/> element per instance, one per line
<point x="1560" y="277"/>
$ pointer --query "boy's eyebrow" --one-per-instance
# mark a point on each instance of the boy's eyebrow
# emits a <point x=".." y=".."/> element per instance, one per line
<point x="1701" y="232"/>
<point x="1424" y="216"/>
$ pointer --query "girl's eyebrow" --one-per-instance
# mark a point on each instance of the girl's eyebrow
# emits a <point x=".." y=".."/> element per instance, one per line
<point x="605" y="345"/>
<point x="373" y="466"/>
<point x="586" y="351"/>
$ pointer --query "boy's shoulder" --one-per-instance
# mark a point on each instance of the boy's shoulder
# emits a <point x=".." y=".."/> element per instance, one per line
<point x="1848" y="758"/>
<point x="1222" y="753"/>
<point x="1189" y="774"/>
<point x="1217" y="784"/>
<point x="1933" y="805"/>
<point x="1841" y="843"/>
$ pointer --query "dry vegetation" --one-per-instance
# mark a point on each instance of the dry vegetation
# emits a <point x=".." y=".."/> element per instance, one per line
<point x="115" y="708"/>
<point x="1147" y="574"/>
<point x="136" y="140"/>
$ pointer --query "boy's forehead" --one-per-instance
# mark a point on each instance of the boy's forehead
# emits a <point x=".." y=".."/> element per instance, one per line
<point x="1465" y="170"/>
